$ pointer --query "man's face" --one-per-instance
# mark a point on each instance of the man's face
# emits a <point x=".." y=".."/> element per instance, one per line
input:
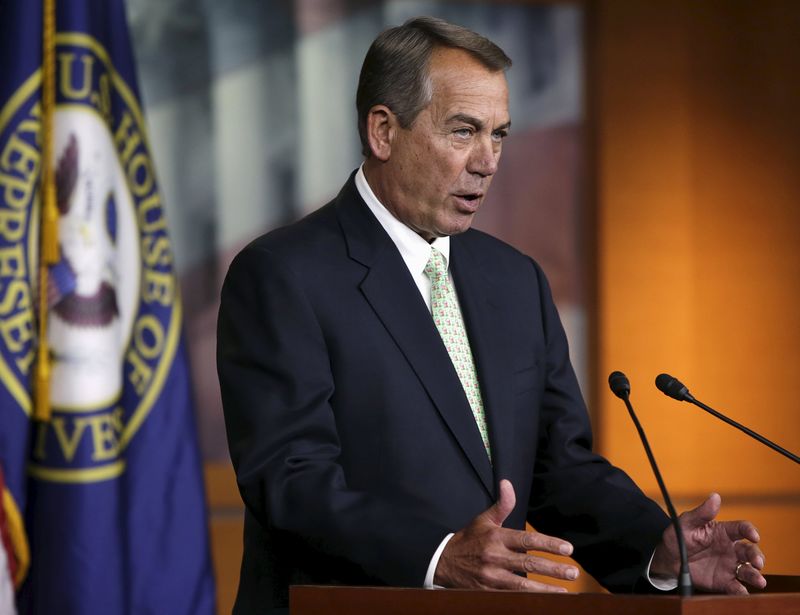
<point x="440" y="168"/>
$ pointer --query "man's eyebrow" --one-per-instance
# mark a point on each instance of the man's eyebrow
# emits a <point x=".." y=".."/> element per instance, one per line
<point x="473" y="121"/>
<point x="463" y="118"/>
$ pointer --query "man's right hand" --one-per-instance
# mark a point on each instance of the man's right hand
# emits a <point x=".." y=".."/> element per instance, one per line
<point x="485" y="555"/>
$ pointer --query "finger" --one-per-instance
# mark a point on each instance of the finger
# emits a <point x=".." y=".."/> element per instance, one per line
<point x="748" y="552"/>
<point x="751" y="576"/>
<point x="508" y="580"/>
<point x="519" y="540"/>
<point x="703" y="514"/>
<point x="737" y="530"/>
<point x="499" y="511"/>
<point x="543" y="566"/>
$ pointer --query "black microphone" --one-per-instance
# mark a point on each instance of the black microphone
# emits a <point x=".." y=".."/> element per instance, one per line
<point x="621" y="387"/>
<point x="677" y="390"/>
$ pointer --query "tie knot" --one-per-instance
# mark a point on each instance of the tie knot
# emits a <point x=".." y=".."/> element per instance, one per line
<point x="436" y="266"/>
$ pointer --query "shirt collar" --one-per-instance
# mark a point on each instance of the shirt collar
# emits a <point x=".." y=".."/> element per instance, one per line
<point x="413" y="248"/>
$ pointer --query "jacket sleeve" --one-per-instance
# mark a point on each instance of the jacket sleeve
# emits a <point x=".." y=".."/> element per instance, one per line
<point x="277" y="385"/>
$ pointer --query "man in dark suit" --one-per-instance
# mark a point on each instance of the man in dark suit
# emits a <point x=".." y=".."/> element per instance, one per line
<point x="397" y="387"/>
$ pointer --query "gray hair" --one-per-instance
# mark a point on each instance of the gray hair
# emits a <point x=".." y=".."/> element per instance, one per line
<point x="395" y="70"/>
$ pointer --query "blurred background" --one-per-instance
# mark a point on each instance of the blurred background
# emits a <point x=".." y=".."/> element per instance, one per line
<point x="652" y="171"/>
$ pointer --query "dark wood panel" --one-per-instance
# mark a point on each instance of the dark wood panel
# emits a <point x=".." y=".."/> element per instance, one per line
<point x="305" y="600"/>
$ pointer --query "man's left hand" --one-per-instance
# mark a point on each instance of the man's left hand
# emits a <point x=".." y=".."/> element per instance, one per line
<point x="723" y="555"/>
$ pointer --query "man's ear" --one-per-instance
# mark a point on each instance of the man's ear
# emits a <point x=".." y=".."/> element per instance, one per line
<point x="381" y="129"/>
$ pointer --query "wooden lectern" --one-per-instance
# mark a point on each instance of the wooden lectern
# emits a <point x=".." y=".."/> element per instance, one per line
<point x="782" y="598"/>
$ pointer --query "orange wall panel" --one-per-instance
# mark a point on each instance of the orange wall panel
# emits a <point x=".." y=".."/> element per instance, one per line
<point x="698" y="210"/>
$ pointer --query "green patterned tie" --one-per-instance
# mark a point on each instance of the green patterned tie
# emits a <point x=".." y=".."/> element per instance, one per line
<point x="447" y="316"/>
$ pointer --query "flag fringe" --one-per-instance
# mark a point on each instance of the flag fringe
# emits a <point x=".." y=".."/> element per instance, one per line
<point x="19" y="538"/>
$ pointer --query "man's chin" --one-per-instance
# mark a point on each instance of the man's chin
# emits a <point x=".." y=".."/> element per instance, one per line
<point x="448" y="228"/>
<point x="459" y="225"/>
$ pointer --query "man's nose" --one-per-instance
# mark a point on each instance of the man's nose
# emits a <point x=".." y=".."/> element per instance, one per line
<point x="484" y="157"/>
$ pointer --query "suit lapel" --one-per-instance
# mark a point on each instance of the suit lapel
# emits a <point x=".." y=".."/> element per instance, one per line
<point x="490" y="340"/>
<point x="393" y="295"/>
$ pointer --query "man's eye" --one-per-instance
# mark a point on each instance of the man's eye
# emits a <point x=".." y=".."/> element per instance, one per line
<point x="499" y="135"/>
<point x="464" y="133"/>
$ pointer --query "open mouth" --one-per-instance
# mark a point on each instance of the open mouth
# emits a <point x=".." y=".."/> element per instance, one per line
<point x="468" y="203"/>
<point x="475" y="196"/>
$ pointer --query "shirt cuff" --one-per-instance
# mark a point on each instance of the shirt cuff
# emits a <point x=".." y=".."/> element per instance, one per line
<point x="663" y="583"/>
<point x="435" y="562"/>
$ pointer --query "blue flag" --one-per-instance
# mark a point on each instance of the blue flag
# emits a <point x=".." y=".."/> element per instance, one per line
<point x="109" y="490"/>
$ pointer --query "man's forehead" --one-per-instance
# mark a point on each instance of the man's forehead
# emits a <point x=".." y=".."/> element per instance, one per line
<point x="463" y="88"/>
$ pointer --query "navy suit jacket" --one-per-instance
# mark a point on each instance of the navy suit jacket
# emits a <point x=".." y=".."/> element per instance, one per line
<point x="354" y="446"/>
